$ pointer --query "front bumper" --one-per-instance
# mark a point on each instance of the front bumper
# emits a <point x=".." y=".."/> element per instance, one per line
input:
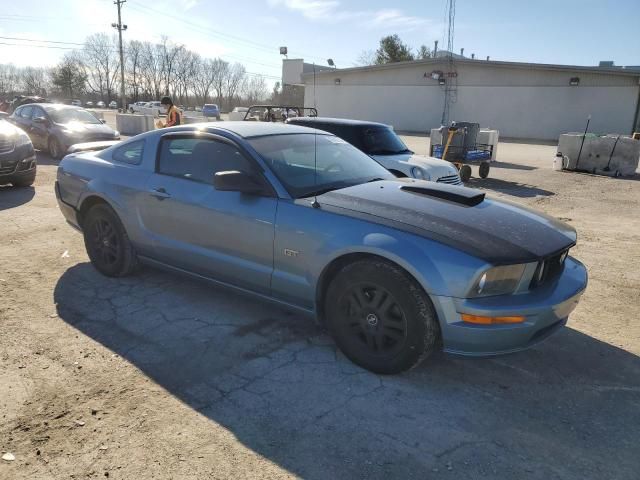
<point x="545" y="309"/>
<point x="18" y="164"/>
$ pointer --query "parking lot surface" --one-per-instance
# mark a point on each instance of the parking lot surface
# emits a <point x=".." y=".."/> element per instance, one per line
<point x="158" y="376"/>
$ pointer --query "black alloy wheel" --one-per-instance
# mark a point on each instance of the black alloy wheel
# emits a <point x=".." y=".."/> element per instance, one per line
<point x="107" y="242"/>
<point x="375" y="319"/>
<point x="380" y="317"/>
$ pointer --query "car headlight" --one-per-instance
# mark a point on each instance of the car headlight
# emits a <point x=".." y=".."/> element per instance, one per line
<point x="116" y="133"/>
<point x="501" y="280"/>
<point x="22" y="139"/>
<point x="420" y="174"/>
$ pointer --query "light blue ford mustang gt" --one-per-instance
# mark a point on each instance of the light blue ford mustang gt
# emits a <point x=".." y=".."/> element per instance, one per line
<point x="395" y="268"/>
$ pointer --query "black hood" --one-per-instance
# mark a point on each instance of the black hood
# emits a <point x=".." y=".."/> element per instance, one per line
<point x="496" y="231"/>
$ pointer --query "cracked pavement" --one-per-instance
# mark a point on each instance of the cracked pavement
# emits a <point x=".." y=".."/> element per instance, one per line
<point x="161" y="376"/>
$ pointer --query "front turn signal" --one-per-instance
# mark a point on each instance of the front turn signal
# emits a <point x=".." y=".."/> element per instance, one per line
<point x="480" y="320"/>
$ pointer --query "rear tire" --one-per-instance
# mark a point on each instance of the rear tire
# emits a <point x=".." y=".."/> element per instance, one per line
<point x="380" y="317"/>
<point x="107" y="242"/>
<point x="484" y="169"/>
<point x="465" y="173"/>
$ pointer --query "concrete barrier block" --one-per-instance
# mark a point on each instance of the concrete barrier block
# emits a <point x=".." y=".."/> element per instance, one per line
<point x="604" y="154"/>
<point x="130" y="124"/>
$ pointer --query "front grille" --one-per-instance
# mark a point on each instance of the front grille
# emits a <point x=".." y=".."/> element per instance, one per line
<point x="549" y="269"/>
<point x="6" y="145"/>
<point x="7" y="169"/>
<point x="450" y="179"/>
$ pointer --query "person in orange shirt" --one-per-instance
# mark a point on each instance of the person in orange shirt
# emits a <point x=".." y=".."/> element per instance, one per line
<point x="173" y="114"/>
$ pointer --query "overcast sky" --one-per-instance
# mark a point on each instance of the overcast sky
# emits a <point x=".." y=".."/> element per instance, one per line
<point x="250" y="31"/>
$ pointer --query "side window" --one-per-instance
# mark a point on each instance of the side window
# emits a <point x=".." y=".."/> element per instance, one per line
<point x="130" y="153"/>
<point x="26" y="112"/>
<point x="199" y="159"/>
<point x="38" y="112"/>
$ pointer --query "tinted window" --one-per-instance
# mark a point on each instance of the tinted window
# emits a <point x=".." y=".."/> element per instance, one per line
<point x="38" y="112"/>
<point x="381" y="141"/>
<point x="199" y="159"/>
<point x="307" y="163"/>
<point x="25" y="112"/>
<point x="130" y="153"/>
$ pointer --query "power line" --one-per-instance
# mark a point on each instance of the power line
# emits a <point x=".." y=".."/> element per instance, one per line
<point x="215" y="33"/>
<point x="42" y="41"/>
<point x="37" y="46"/>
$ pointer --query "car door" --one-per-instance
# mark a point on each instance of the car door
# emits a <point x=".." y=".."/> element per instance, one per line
<point x="224" y="235"/>
<point x="39" y="130"/>
<point x="22" y="117"/>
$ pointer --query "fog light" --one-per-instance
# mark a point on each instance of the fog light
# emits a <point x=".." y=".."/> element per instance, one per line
<point x="480" y="320"/>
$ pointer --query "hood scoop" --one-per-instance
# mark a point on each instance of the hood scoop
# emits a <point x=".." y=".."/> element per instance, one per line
<point x="461" y="195"/>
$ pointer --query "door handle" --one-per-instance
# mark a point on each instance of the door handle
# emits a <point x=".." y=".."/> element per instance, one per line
<point x="160" y="193"/>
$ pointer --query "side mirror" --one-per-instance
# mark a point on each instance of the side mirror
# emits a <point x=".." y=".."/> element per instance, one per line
<point x="40" y="120"/>
<point x="236" y="181"/>
<point x="102" y="120"/>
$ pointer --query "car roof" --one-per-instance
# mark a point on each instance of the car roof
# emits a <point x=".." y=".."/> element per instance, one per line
<point x="336" y="121"/>
<point x="259" y="129"/>
<point x="57" y="106"/>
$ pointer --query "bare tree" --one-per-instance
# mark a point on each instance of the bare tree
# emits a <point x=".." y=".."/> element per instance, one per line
<point x="151" y="68"/>
<point x="220" y="70"/>
<point x="101" y="63"/>
<point x="186" y="68"/>
<point x="9" y="80"/>
<point x="254" y="89"/>
<point x="132" y="67"/>
<point x="170" y="53"/>
<point x="366" y="58"/>
<point x="235" y="77"/>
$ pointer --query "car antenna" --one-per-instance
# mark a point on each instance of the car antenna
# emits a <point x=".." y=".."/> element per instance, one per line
<point x="315" y="203"/>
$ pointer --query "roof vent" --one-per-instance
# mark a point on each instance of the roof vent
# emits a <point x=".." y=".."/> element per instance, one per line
<point x="462" y="195"/>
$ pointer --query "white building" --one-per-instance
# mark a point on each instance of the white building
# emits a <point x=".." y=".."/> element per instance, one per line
<point x="522" y="100"/>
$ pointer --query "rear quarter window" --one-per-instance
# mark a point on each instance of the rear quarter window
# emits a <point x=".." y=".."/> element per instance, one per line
<point x="131" y="153"/>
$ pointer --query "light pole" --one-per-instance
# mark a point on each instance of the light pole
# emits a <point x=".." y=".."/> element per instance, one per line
<point x="120" y="28"/>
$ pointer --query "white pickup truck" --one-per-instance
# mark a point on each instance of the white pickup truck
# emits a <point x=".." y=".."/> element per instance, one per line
<point x="154" y="108"/>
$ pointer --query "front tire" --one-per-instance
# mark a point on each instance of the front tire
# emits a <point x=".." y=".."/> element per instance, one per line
<point x="380" y="317"/>
<point x="465" y="173"/>
<point x="107" y="242"/>
<point x="484" y="169"/>
<point x="55" y="149"/>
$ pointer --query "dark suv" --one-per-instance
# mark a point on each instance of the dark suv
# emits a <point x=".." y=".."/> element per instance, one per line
<point x="17" y="157"/>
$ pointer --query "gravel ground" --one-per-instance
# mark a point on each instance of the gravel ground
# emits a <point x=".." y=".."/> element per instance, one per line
<point x="160" y="377"/>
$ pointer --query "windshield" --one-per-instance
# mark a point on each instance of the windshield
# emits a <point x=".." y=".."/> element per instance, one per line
<point x="382" y="141"/>
<point x="307" y="164"/>
<point x="67" y="115"/>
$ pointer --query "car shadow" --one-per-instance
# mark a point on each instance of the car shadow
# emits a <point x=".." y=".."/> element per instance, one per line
<point x="565" y="409"/>
<point x="11" y="197"/>
<point x="512" y="166"/>
<point x="43" y="158"/>
<point x="515" y="189"/>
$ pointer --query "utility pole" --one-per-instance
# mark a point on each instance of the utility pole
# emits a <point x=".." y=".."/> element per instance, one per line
<point x="120" y="28"/>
